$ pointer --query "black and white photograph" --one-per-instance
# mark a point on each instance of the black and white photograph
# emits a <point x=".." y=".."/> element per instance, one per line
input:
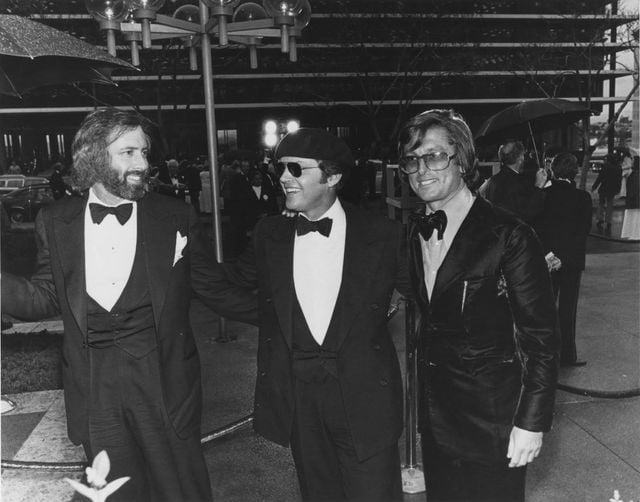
<point x="320" y="250"/>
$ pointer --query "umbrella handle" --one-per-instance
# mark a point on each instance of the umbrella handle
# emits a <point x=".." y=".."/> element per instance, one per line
<point x="533" y="142"/>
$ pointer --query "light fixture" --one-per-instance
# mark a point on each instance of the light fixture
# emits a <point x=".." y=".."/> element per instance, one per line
<point x="293" y="126"/>
<point x="285" y="14"/>
<point x="270" y="127"/>
<point x="109" y="13"/>
<point x="250" y="11"/>
<point x="189" y="13"/>
<point x="270" y="140"/>
<point x="222" y="9"/>
<point x="145" y="12"/>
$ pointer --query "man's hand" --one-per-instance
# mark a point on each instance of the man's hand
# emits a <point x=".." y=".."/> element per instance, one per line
<point x="524" y="446"/>
<point x="541" y="178"/>
<point x="553" y="262"/>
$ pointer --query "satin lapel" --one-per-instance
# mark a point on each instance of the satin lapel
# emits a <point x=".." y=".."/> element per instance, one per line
<point x="417" y="266"/>
<point x="158" y="228"/>
<point x="68" y="238"/>
<point x="471" y="236"/>
<point x="279" y="259"/>
<point x="361" y="259"/>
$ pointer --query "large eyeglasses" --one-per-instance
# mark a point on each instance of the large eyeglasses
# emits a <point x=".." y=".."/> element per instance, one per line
<point x="435" y="161"/>
<point x="294" y="168"/>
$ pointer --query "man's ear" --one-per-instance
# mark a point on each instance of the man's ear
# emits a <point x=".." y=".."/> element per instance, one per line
<point x="334" y="179"/>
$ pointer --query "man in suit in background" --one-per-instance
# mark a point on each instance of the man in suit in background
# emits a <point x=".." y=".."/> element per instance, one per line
<point x="120" y="264"/>
<point x="608" y="184"/>
<point x="510" y="189"/>
<point x="487" y="363"/>
<point x="563" y="227"/>
<point x="329" y="381"/>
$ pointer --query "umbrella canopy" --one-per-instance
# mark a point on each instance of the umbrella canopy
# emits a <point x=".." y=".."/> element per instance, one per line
<point x="521" y="120"/>
<point x="33" y="55"/>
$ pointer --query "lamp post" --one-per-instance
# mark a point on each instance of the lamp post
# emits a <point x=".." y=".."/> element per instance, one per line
<point x="250" y="23"/>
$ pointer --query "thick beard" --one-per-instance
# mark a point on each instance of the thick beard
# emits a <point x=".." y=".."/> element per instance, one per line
<point x="120" y="187"/>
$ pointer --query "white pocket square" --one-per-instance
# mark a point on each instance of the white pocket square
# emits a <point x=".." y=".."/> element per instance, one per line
<point x="181" y="242"/>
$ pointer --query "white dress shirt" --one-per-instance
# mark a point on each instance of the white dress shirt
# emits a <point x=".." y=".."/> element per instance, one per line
<point x="317" y="271"/>
<point x="109" y="250"/>
<point x="434" y="251"/>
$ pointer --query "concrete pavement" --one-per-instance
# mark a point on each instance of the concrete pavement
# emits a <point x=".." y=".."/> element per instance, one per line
<point x="594" y="446"/>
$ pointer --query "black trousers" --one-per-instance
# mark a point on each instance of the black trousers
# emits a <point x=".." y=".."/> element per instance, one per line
<point x="566" y="286"/>
<point x="127" y="419"/>
<point x="453" y="479"/>
<point x="324" y="455"/>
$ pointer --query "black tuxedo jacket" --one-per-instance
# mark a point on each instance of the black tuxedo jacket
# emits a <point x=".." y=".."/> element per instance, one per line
<point x="564" y="224"/>
<point x="514" y="192"/>
<point x="58" y="285"/>
<point x="375" y="262"/>
<point x="488" y="346"/>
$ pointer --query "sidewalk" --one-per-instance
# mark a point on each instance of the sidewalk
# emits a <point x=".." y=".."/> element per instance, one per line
<point x="594" y="446"/>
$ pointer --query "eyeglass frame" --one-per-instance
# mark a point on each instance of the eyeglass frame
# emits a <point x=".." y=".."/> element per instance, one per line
<point x="294" y="168"/>
<point x="422" y="158"/>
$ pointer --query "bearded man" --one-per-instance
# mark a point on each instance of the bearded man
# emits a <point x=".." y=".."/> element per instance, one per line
<point x="119" y="264"/>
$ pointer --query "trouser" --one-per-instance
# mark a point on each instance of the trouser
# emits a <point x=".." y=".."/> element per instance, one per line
<point x="324" y="454"/>
<point x="128" y="420"/>
<point x="566" y="286"/>
<point x="453" y="479"/>
<point x="605" y="208"/>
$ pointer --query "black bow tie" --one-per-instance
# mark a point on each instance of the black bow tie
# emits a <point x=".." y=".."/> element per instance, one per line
<point x="427" y="223"/>
<point x="304" y="226"/>
<point x="122" y="212"/>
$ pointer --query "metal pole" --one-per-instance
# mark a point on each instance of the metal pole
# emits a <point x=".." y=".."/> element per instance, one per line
<point x="212" y="138"/>
<point x="410" y="355"/>
<point x="412" y="474"/>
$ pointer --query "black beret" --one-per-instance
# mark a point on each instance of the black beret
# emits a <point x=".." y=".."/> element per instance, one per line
<point x="310" y="143"/>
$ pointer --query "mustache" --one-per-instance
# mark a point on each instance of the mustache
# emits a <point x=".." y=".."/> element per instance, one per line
<point x="144" y="173"/>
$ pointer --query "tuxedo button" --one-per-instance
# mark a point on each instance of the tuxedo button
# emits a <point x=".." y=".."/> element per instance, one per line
<point x="374" y="306"/>
<point x="384" y="382"/>
<point x="268" y="300"/>
<point x="376" y="346"/>
<point x="263" y="373"/>
<point x="268" y="340"/>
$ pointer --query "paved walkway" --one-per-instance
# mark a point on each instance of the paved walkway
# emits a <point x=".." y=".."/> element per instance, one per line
<point x="594" y="446"/>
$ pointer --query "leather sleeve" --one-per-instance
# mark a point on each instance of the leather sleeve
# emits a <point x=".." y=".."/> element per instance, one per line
<point x="533" y="309"/>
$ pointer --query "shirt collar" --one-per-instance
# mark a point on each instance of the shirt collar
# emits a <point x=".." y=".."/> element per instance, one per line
<point x="335" y="212"/>
<point x="456" y="210"/>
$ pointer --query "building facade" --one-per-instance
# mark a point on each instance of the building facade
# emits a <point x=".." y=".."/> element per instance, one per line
<point x="363" y="66"/>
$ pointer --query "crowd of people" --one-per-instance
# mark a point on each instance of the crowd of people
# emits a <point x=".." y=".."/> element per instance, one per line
<point x="494" y="273"/>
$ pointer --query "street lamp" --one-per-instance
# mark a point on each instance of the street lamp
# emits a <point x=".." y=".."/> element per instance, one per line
<point x="250" y="23"/>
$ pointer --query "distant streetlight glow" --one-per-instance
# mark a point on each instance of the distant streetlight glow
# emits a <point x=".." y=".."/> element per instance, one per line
<point x="270" y="139"/>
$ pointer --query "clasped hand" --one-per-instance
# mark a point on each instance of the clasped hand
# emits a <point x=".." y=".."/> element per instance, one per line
<point x="524" y="446"/>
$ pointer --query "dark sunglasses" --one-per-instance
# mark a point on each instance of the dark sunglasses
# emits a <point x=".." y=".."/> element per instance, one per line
<point x="294" y="168"/>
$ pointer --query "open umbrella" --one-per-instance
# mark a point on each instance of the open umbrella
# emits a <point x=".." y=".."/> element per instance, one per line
<point x="521" y="120"/>
<point x="34" y="55"/>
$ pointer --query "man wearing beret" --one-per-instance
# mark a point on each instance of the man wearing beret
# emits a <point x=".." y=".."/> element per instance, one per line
<point x="328" y="380"/>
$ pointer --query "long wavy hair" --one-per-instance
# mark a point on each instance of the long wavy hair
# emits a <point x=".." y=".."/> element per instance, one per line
<point x="98" y="130"/>
<point x="414" y="130"/>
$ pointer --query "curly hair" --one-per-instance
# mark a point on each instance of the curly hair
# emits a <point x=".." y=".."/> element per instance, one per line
<point x="414" y="130"/>
<point x="98" y="130"/>
<point x="565" y="165"/>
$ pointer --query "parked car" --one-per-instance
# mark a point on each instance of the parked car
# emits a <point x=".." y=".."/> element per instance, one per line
<point x="597" y="157"/>
<point x="11" y="182"/>
<point x="23" y="204"/>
